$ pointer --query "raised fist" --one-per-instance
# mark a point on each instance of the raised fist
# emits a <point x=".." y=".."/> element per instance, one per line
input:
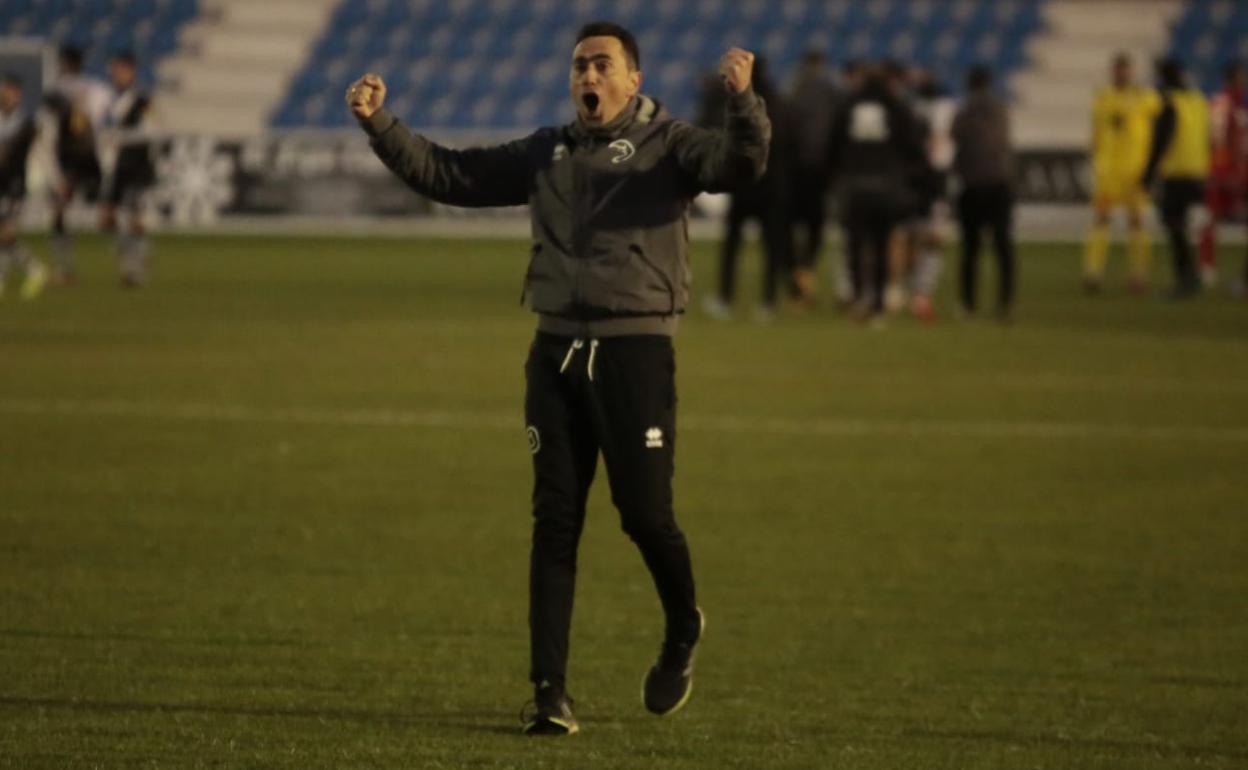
<point x="366" y="95"/>
<point x="735" y="67"/>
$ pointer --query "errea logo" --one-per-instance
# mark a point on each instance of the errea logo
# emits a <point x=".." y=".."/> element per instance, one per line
<point x="625" y="149"/>
<point x="654" y="438"/>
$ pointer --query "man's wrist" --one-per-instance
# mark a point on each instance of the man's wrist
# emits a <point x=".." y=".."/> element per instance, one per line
<point x="741" y="101"/>
<point x="378" y="123"/>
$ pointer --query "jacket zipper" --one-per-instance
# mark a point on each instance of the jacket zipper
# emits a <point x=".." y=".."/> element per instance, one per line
<point x="578" y="241"/>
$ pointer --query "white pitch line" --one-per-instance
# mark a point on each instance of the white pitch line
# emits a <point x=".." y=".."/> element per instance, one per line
<point x="813" y="427"/>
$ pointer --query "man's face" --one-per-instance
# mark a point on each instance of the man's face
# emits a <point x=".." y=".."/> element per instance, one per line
<point x="602" y="80"/>
<point x="1122" y="74"/>
<point x="121" y="73"/>
<point x="10" y="96"/>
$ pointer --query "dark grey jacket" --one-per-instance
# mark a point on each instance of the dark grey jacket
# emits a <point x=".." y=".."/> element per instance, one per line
<point x="981" y="134"/>
<point x="608" y="206"/>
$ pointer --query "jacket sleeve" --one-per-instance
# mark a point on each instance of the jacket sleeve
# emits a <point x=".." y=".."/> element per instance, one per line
<point x="476" y="177"/>
<point x="838" y="136"/>
<point x="1163" y="132"/>
<point x="720" y="160"/>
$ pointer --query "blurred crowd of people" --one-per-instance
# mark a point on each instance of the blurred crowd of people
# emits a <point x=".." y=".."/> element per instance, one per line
<point x="902" y="160"/>
<point x="74" y="114"/>
<point x="1193" y="150"/>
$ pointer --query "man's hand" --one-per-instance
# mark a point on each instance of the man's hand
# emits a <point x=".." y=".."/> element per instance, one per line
<point x="366" y="95"/>
<point x="735" y="68"/>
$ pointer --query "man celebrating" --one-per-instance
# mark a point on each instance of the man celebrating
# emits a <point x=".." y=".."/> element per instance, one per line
<point x="608" y="276"/>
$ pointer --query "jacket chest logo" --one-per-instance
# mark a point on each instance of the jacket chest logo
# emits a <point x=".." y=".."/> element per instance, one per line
<point x="624" y="150"/>
<point x="561" y="151"/>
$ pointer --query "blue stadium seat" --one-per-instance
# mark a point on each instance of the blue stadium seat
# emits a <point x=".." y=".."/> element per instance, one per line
<point x="504" y="63"/>
<point x="102" y="27"/>
<point x="1207" y="35"/>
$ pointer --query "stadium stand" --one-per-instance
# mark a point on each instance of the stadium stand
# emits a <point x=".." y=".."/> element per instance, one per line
<point x="241" y="67"/>
<point x="503" y="63"/>
<point x="1069" y="61"/>
<point x="1206" y="35"/>
<point x="236" y="62"/>
<point x="149" y="28"/>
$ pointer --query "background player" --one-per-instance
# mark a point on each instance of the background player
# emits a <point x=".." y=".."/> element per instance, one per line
<point x="1121" y="128"/>
<point x="17" y="132"/>
<point x="80" y="103"/>
<point x="1179" y="155"/>
<point x="133" y="173"/>
<point x="1228" y="169"/>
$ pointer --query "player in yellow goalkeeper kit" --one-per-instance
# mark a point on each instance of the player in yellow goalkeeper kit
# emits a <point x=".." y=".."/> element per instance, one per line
<point x="1121" y="131"/>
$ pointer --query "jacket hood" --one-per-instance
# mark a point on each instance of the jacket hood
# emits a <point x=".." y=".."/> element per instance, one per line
<point x="641" y="109"/>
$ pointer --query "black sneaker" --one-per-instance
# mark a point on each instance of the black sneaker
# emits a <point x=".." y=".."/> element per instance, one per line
<point x="549" y="713"/>
<point x="669" y="682"/>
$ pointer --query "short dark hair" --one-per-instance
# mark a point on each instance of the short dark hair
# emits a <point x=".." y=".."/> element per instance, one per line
<point x="1122" y="58"/>
<point x="611" y="29"/>
<point x="1231" y="69"/>
<point x="71" y="57"/>
<point x="978" y="78"/>
<point x="1170" y="72"/>
<point x="11" y="79"/>
<point x="125" y="57"/>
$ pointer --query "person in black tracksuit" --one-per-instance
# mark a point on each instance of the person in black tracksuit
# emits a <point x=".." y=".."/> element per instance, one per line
<point x="984" y="163"/>
<point x="608" y="276"/>
<point x="768" y="201"/>
<point x="876" y="144"/>
<point x="811" y="107"/>
<point x="1179" y="155"/>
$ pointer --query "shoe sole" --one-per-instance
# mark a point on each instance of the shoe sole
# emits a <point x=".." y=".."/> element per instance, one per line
<point x="688" y="690"/>
<point x="541" y="727"/>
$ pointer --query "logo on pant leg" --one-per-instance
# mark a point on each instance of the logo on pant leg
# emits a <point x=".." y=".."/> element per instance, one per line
<point x="654" y="438"/>
<point x="535" y="439"/>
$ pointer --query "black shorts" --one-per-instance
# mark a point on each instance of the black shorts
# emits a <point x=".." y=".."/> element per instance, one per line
<point x="873" y="205"/>
<point x="82" y="174"/>
<point x="132" y="177"/>
<point x="127" y="190"/>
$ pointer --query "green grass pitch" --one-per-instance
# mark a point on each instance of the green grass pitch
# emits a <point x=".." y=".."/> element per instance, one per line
<point x="272" y="511"/>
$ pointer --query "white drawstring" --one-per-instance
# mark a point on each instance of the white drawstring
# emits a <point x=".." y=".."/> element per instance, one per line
<point x="575" y="346"/>
<point x="589" y="368"/>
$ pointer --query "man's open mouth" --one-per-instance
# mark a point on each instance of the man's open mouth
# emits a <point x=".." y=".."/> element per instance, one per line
<point x="591" y="102"/>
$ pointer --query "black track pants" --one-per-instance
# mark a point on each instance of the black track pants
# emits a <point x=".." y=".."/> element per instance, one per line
<point x="616" y="395"/>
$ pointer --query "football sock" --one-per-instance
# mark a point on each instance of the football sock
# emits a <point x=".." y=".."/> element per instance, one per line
<point x="928" y="273"/>
<point x="1095" y="252"/>
<point x="8" y="254"/>
<point x="62" y="247"/>
<point x="1139" y="253"/>
<point x="133" y="251"/>
<point x="1208" y="242"/>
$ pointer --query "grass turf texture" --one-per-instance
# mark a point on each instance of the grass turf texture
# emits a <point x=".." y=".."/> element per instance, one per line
<point x="273" y="512"/>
